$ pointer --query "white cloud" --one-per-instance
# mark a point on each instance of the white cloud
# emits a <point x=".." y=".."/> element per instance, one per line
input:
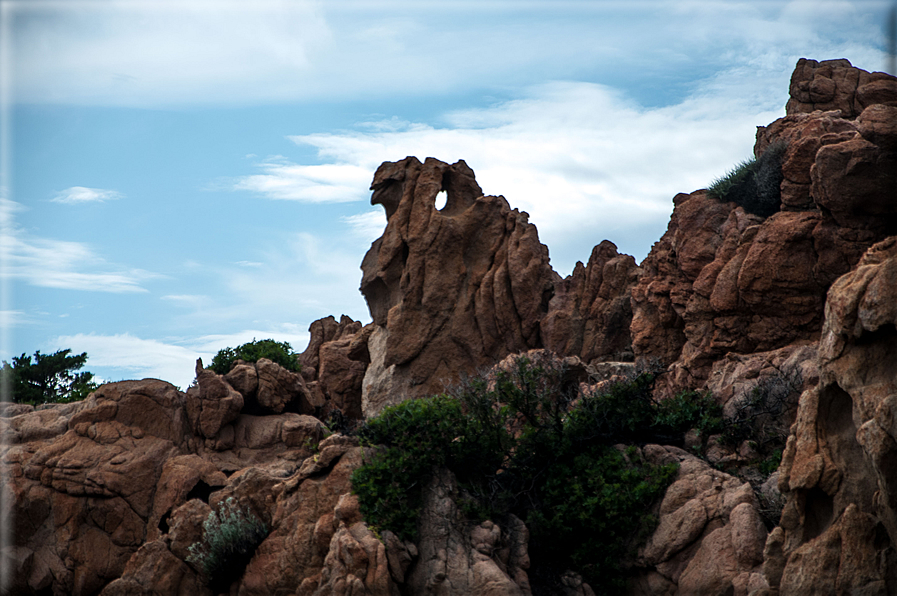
<point x="124" y="356"/>
<point x="144" y="53"/>
<point x="140" y="53"/>
<point x="367" y="226"/>
<point x="80" y="194"/>
<point x="50" y="263"/>
<point x="331" y="183"/>
<point x="582" y="159"/>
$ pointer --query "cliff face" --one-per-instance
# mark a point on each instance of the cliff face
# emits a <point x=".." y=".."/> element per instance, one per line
<point x="108" y="494"/>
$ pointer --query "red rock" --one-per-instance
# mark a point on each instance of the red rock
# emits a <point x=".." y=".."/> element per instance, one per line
<point x="837" y="469"/>
<point x="449" y="290"/>
<point x="590" y="312"/>
<point x="878" y="125"/>
<point x="334" y="364"/>
<point x="212" y="403"/>
<point x="836" y="85"/>
<point x="855" y="181"/>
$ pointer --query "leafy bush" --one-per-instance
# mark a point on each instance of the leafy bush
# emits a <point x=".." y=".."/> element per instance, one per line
<point x="278" y="352"/>
<point x="754" y="184"/>
<point x="230" y="536"/>
<point x="50" y="378"/>
<point x="528" y="442"/>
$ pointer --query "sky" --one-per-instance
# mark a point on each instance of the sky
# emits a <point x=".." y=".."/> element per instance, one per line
<point x="180" y="177"/>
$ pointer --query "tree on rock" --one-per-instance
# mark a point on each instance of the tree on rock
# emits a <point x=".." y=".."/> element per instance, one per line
<point x="49" y="378"/>
<point x="278" y="352"/>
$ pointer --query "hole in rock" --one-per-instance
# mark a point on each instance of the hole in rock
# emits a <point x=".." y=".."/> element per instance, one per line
<point x="200" y="491"/>
<point x="163" y="523"/>
<point x="441" y="200"/>
<point x="819" y="512"/>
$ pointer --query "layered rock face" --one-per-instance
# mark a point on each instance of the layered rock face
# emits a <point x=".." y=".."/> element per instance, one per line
<point x="722" y="280"/>
<point x="94" y="481"/>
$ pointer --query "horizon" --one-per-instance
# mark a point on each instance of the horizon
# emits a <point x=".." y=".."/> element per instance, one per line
<point x="179" y="179"/>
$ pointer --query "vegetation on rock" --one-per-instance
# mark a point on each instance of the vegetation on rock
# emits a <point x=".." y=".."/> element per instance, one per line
<point x="531" y="443"/>
<point x="230" y="536"/>
<point x="279" y="352"/>
<point x="50" y="378"/>
<point x="754" y="184"/>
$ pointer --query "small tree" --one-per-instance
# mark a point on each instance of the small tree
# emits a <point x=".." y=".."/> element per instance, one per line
<point x="49" y="378"/>
<point x="278" y="352"/>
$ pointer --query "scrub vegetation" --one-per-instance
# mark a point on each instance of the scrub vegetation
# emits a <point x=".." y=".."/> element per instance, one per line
<point x="754" y="184"/>
<point x="530" y="442"/>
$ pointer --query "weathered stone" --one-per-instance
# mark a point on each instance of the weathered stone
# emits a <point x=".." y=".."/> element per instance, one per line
<point x="590" y="312"/>
<point x="839" y="524"/>
<point x="211" y="403"/>
<point x="460" y="558"/>
<point x="455" y="289"/>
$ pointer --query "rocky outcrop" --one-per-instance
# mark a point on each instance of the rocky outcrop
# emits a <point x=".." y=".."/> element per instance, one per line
<point x="334" y="364"/>
<point x="709" y="538"/>
<point x="839" y="527"/>
<point x="99" y="482"/>
<point x="455" y="290"/>
<point x="837" y="85"/>
<point x="459" y="557"/>
<point x="449" y="290"/>
<point x="108" y="494"/>
<point x="721" y="280"/>
<point x="590" y="312"/>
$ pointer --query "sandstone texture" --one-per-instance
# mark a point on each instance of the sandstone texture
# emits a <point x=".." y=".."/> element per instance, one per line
<point x="334" y="364"/>
<point x="710" y="536"/>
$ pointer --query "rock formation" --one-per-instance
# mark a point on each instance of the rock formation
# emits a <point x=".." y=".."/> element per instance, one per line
<point x="454" y="290"/>
<point x="839" y="527"/>
<point x="334" y="364"/>
<point x="108" y="494"/>
<point x="721" y="280"/>
<point x="449" y="290"/>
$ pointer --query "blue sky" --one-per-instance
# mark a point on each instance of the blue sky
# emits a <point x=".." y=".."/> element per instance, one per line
<point x="179" y="177"/>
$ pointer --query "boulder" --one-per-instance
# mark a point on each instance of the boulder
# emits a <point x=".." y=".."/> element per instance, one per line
<point x="211" y="402"/>
<point x="710" y="536"/>
<point x="335" y="363"/>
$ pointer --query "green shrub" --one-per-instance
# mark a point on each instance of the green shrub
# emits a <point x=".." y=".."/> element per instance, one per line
<point x="278" y="352"/>
<point x="528" y="442"/>
<point x="690" y="410"/>
<point x="755" y="184"/>
<point x="230" y="536"/>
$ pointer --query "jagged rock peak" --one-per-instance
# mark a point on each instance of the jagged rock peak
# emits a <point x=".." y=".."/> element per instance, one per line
<point x="450" y="290"/>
